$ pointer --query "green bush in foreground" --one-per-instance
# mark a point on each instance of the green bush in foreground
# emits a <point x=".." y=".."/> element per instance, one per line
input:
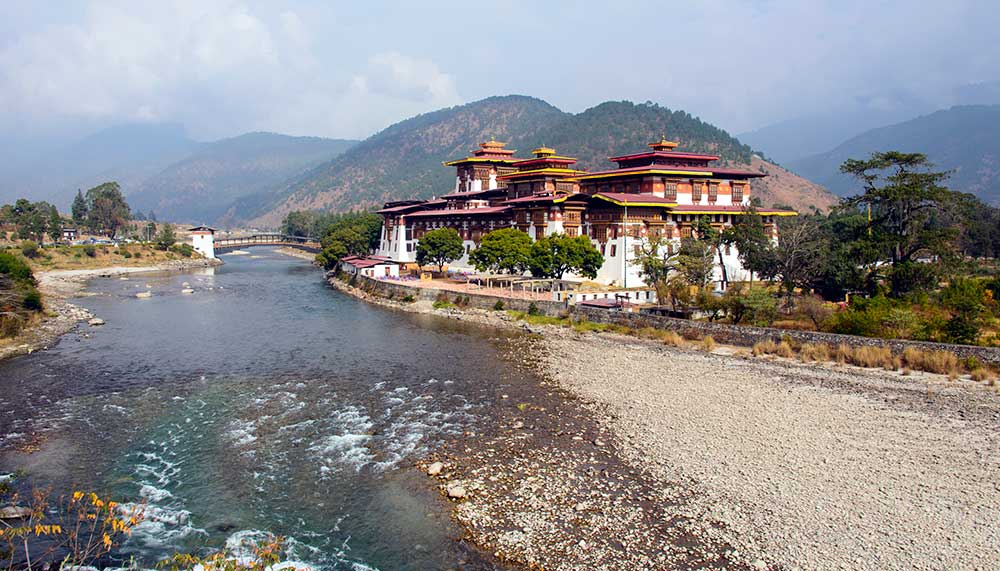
<point x="29" y="249"/>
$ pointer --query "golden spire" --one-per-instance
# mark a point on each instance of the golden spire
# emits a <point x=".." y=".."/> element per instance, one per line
<point x="543" y="151"/>
<point x="663" y="144"/>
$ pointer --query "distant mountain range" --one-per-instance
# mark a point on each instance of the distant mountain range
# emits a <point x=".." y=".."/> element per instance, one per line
<point x="203" y="187"/>
<point x="160" y="169"/>
<point x="257" y="178"/>
<point x="129" y="154"/>
<point x="404" y="160"/>
<point x="962" y="139"/>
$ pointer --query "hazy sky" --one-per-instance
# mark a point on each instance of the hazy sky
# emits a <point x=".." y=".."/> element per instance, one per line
<point x="348" y="69"/>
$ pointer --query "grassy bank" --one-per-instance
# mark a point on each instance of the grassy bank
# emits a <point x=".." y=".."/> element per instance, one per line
<point x="88" y="257"/>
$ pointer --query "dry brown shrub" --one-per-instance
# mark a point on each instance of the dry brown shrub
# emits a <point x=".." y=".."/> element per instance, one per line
<point x="979" y="375"/>
<point x="672" y="339"/>
<point x="785" y="349"/>
<point x="708" y="344"/>
<point x="872" y="357"/>
<point x="843" y="353"/>
<point x="913" y="357"/>
<point x="814" y="352"/>
<point x="765" y="347"/>
<point x="649" y="333"/>
<point x="941" y="362"/>
<point x="906" y="372"/>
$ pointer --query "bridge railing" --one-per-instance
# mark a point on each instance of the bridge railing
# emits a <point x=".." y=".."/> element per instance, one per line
<point x="270" y="239"/>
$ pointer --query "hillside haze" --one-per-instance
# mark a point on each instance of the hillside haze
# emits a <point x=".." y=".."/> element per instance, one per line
<point x="961" y="139"/>
<point x="404" y="160"/>
<point x="128" y="154"/>
<point x="203" y="187"/>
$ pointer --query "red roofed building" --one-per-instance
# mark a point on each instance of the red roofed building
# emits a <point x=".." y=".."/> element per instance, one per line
<point x="658" y="194"/>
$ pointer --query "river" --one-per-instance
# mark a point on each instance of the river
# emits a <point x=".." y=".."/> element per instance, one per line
<point x="262" y="402"/>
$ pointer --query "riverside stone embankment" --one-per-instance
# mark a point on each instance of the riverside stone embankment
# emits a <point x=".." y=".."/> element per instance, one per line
<point x="654" y="457"/>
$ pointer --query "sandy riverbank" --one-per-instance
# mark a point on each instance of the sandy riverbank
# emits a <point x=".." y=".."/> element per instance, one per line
<point x="61" y="315"/>
<point x="653" y="457"/>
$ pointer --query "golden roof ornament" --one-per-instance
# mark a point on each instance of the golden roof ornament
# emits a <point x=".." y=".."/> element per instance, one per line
<point x="543" y="151"/>
<point x="663" y="144"/>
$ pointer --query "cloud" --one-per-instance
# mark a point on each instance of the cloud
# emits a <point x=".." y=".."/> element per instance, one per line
<point x="397" y="75"/>
<point x="219" y="67"/>
<point x="348" y="69"/>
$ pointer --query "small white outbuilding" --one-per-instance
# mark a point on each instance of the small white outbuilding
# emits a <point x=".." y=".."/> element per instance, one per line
<point x="203" y="240"/>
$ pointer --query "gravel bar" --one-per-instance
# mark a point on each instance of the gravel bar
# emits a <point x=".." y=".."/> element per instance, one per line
<point x="803" y="466"/>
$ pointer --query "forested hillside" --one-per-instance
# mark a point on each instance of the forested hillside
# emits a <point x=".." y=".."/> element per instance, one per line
<point x="404" y="161"/>
<point x="203" y="187"/>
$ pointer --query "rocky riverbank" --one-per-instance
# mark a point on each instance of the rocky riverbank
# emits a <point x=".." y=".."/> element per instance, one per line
<point x="635" y="455"/>
<point x="61" y="315"/>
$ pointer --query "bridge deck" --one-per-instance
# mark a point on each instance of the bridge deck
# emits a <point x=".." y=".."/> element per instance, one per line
<point x="300" y="242"/>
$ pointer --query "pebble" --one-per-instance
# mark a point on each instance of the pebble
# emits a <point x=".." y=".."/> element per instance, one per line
<point x="95" y="321"/>
<point x="435" y="469"/>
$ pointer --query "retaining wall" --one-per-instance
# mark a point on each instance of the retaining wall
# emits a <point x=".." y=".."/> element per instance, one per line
<point x="739" y="335"/>
<point x="746" y="336"/>
<point x="398" y="290"/>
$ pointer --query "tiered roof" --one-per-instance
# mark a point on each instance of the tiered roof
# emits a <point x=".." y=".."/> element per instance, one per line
<point x="546" y="163"/>
<point x="491" y="151"/>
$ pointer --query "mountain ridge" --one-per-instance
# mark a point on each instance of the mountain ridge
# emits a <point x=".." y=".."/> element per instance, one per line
<point x="404" y="160"/>
<point x="960" y="139"/>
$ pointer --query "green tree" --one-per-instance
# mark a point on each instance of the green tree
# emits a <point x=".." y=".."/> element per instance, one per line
<point x="656" y="263"/>
<point x="965" y="299"/>
<point x="439" y="247"/>
<point x="502" y="251"/>
<point x="352" y="238"/>
<point x="31" y="219"/>
<point x="902" y="192"/>
<point x="166" y="238"/>
<point x="55" y="224"/>
<point x="107" y="210"/>
<point x="753" y="246"/>
<point x="554" y="255"/>
<point x="149" y="231"/>
<point x="79" y="209"/>
<point x="331" y="255"/>
<point x="715" y="239"/>
<point x="300" y="223"/>
<point x="695" y="261"/>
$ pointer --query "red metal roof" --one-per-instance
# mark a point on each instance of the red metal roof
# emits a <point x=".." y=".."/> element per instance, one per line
<point x="548" y="198"/>
<point x="713" y="170"/>
<point x="665" y="154"/>
<point x="715" y="209"/>
<point x="476" y="193"/>
<point x="403" y="208"/>
<point x="366" y="261"/>
<point x="636" y="198"/>
<point x="466" y="212"/>
<point x="543" y="160"/>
